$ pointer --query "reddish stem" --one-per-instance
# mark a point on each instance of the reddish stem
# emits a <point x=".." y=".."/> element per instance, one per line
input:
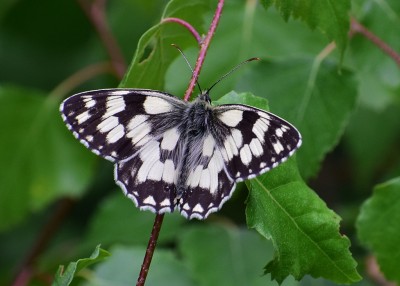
<point x="357" y="27"/>
<point x="187" y="26"/>
<point x="95" y="11"/>
<point x="159" y="217"/>
<point x="150" y="249"/>
<point x="203" y="50"/>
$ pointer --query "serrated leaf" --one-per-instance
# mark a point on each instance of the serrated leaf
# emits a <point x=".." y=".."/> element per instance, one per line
<point x="249" y="38"/>
<point x="123" y="268"/>
<point x="41" y="160"/>
<point x="331" y="17"/>
<point x="246" y="98"/>
<point x="217" y="255"/>
<point x="64" y="278"/>
<point x="304" y="232"/>
<point x="149" y="71"/>
<point x="378" y="226"/>
<point x="314" y="97"/>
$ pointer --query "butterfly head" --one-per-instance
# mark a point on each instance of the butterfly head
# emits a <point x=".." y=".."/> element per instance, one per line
<point x="205" y="96"/>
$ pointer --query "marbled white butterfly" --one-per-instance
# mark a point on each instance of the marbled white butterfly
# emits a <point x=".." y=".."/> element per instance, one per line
<point x="171" y="154"/>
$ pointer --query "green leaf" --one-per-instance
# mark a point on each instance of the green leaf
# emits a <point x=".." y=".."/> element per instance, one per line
<point x="378" y="226"/>
<point x="304" y="232"/>
<point x="41" y="160"/>
<point x="123" y="268"/>
<point x="118" y="220"/>
<point x="154" y="53"/>
<point x="65" y="277"/>
<point x="221" y="256"/>
<point x="377" y="73"/>
<point x="243" y="98"/>
<point x="313" y="96"/>
<point x="248" y="38"/>
<point x="331" y="17"/>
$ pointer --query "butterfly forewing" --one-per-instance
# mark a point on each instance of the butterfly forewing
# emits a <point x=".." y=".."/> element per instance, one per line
<point x="257" y="141"/>
<point x="116" y="123"/>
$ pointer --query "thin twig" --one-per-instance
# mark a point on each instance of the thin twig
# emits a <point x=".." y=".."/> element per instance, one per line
<point x="80" y="77"/>
<point x="95" y="11"/>
<point x="159" y="217"/>
<point x="357" y="27"/>
<point x="203" y="50"/>
<point x="187" y="26"/>
<point x="150" y="249"/>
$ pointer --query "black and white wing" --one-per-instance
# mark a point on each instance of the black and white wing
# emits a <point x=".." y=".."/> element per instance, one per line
<point x="137" y="130"/>
<point x="241" y="142"/>
<point x="207" y="183"/>
<point x="257" y="140"/>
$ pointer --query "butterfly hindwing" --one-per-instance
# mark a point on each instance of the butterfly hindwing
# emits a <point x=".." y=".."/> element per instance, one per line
<point x="207" y="184"/>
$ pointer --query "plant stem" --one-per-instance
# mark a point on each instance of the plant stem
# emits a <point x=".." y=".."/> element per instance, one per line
<point x="203" y="50"/>
<point x="357" y="27"/>
<point x="187" y="26"/>
<point x="80" y="77"/>
<point x="200" y="59"/>
<point x="95" y="11"/>
<point x="150" y="249"/>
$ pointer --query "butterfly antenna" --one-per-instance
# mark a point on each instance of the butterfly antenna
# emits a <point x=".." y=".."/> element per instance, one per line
<point x="183" y="55"/>
<point x="232" y="70"/>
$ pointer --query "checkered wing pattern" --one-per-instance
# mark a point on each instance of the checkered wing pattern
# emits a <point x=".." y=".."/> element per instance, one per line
<point x="170" y="154"/>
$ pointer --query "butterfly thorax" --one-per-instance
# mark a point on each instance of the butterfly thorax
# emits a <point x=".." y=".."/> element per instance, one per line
<point x="196" y="122"/>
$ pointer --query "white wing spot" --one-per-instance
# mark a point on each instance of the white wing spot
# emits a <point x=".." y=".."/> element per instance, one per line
<point x="136" y="121"/>
<point x="279" y="132"/>
<point x="114" y="105"/>
<point x="108" y="124"/>
<point x="149" y="201"/>
<point x="149" y="155"/>
<point x="264" y="115"/>
<point x="230" y="147"/>
<point x="165" y="203"/>
<point x="208" y="145"/>
<point x="231" y="117"/>
<point x="120" y="92"/>
<point x="89" y="138"/>
<point x="194" y="177"/>
<point x="245" y="155"/>
<point x="170" y="139"/>
<point x="89" y="102"/>
<point x="237" y="137"/>
<point x="256" y="147"/>
<point x="115" y="134"/>
<point x="259" y="129"/>
<point x="156" y="105"/>
<point x="277" y="147"/>
<point x="156" y="171"/>
<point x="198" y="208"/>
<point x="138" y="133"/>
<point x="83" y="117"/>
<point x="262" y="165"/>
<point x="169" y="171"/>
<point x="205" y="179"/>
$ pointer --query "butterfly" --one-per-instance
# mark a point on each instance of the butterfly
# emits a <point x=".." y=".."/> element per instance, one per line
<point x="171" y="154"/>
